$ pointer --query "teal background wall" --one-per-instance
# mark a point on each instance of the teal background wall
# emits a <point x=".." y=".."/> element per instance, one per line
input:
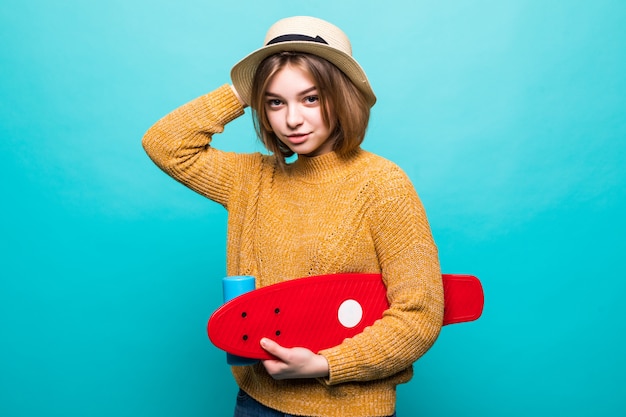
<point x="509" y="117"/>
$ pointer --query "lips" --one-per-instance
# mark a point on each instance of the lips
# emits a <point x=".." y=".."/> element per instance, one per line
<point x="297" y="139"/>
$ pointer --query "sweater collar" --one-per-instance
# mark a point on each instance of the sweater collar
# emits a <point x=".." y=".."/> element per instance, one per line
<point x="324" y="168"/>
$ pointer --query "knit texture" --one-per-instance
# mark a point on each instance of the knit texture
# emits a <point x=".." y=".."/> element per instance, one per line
<point x="328" y="214"/>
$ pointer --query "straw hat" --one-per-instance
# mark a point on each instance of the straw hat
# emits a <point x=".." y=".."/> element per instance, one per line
<point x="303" y="34"/>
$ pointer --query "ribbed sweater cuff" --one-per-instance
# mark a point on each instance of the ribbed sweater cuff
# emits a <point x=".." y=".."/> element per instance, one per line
<point x="224" y="99"/>
<point x="341" y="367"/>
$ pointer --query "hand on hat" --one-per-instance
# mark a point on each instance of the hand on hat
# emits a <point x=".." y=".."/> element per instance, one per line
<point x="243" y="103"/>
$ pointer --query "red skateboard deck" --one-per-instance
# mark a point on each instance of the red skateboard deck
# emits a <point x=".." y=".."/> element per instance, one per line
<point x="320" y="312"/>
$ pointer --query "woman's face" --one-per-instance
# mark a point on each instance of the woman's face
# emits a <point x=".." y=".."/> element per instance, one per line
<point x="294" y="112"/>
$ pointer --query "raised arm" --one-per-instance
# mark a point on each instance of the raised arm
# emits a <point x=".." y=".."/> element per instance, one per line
<point x="180" y="143"/>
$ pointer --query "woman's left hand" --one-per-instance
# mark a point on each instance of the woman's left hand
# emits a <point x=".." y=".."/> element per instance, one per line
<point x="293" y="363"/>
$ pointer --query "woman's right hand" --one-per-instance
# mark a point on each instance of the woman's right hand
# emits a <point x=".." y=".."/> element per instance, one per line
<point x="244" y="104"/>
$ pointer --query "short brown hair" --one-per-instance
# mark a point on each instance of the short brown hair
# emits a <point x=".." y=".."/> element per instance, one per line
<point x="343" y="105"/>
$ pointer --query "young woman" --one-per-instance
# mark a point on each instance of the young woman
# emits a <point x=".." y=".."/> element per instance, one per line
<point x="334" y="208"/>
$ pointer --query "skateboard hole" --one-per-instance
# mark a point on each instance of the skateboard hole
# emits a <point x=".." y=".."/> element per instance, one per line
<point x="277" y="310"/>
<point x="245" y="337"/>
<point x="244" y="314"/>
<point x="277" y="332"/>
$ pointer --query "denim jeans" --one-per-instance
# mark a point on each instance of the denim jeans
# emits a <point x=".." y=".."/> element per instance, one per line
<point x="249" y="407"/>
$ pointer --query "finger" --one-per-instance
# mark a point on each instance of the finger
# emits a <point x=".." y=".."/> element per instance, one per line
<point x="273" y="348"/>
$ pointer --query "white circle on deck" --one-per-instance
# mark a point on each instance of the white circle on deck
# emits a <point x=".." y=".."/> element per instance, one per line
<point x="350" y="313"/>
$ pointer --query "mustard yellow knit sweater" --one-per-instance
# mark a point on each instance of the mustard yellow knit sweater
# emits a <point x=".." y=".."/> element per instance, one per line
<point x="321" y="215"/>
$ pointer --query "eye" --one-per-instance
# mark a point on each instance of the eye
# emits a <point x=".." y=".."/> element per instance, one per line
<point x="311" y="99"/>
<point x="274" y="102"/>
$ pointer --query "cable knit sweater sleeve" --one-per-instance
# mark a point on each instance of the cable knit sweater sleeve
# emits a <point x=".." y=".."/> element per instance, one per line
<point x="179" y="144"/>
<point x="410" y="268"/>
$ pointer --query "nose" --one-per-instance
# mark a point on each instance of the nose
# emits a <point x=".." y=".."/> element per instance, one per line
<point x="294" y="117"/>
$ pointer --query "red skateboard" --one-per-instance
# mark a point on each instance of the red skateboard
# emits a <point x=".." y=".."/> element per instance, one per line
<point x="320" y="312"/>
